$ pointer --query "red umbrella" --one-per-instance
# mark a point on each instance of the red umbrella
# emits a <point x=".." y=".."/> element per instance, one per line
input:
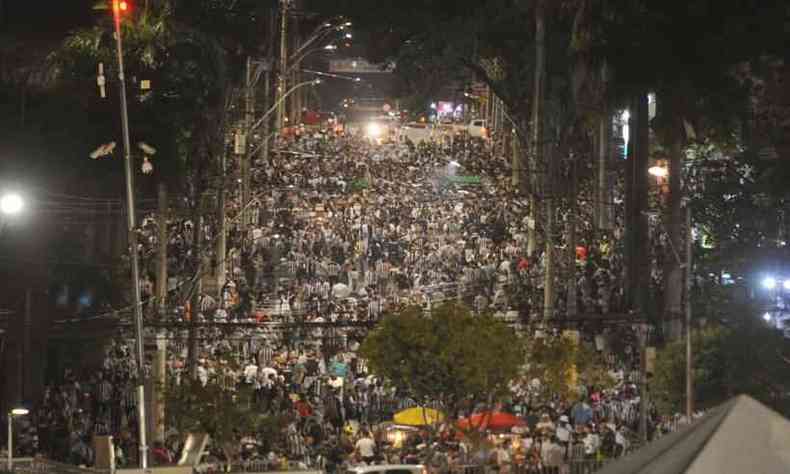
<point x="495" y="421"/>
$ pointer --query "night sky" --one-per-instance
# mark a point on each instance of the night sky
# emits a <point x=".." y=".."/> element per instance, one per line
<point x="49" y="18"/>
<point x="30" y="29"/>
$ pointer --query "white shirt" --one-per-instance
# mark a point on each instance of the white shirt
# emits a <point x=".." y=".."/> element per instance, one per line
<point x="366" y="447"/>
<point x="250" y="372"/>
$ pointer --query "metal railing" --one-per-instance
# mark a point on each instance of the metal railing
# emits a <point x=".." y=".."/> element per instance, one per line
<point x="45" y="466"/>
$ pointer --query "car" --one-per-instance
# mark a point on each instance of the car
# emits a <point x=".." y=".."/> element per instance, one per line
<point x="477" y="129"/>
<point x="416" y="132"/>
<point x="389" y="469"/>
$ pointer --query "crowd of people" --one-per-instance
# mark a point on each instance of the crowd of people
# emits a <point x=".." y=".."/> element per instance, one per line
<point x="341" y="231"/>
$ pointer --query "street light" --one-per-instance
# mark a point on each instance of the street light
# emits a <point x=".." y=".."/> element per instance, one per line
<point x="11" y="414"/>
<point x="120" y="9"/>
<point x="11" y="204"/>
<point x="319" y="34"/>
<point x="658" y="171"/>
<point x="313" y="82"/>
<point x="275" y="107"/>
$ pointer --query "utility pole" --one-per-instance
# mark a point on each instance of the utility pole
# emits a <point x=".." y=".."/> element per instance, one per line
<point x="643" y="389"/>
<point x="267" y="79"/>
<point x="26" y="367"/>
<point x="132" y="228"/>
<point x="161" y="257"/>
<point x="281" y="82"/>
<point x="689" y="361"/>
<point x="158" y="385"/>
<point x="536" y="157"/>
<point x="222" y="235"/>
<point x="296" y="102"/>
<point x="246" y="157"/>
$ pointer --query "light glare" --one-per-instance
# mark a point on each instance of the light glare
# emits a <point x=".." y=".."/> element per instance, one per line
<point x="767" y="317"/>
<point x="769" y="283"/>
<point x="11" y="204"/>
<point x="374" y="130"/>
<point x="658" y="171"/>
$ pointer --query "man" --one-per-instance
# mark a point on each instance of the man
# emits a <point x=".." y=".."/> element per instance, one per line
<point x="366" y="447"/>
<point x="551" y="453"/>
<point x="581" y="413"/>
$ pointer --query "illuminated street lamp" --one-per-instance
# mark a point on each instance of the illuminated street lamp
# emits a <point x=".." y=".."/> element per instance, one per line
<point x="121" y="10"/>
<point x="11" y="204"/>
<point x="658" y="171"/>
<point x="769" y="283"/>
<point x="10" y="446"/>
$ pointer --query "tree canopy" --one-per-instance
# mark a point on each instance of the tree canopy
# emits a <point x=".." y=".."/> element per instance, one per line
<point x="221" y="409"/>
<point x="745" y="356"/>
<point x="561" y="364"/>
<point x="451" y="356"/>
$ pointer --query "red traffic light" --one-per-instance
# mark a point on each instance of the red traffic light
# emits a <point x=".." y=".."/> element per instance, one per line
<point x="120" y="6"/>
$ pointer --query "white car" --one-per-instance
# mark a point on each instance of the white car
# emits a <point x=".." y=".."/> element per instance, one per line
<point x="389" y="469"/>
<point x="416" y="132"/>
<point x="477" y="129"/>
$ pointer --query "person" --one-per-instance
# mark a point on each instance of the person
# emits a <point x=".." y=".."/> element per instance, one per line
<point x="366" y="448"/>
<point x="160" y="455"/>
<point x="545" y="424"/>
<point x="563" y="433"/>
<point x="551" y="453"/>
<point x="581" y="413"/>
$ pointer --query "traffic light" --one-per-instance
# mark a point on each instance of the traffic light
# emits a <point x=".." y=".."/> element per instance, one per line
<point x="121" y="7"/>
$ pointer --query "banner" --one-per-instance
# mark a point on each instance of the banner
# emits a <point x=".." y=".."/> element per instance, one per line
<point x="465" y="180"/>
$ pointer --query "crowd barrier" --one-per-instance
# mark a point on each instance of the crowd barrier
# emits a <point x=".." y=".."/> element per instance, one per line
<point x="251" y="467"/>
<point x="571" y="467"/>
<point x="44" y="466"/>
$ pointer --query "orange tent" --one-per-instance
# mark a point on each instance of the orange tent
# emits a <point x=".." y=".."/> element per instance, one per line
<point x="488" y="420"/>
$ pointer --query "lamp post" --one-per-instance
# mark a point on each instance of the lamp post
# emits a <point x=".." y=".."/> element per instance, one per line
<point x="118" y="8"/>
<point x="336" y="24"/>
<point x="11" y="414"/>
<point x="285" y="4"/>
<point x="280" y="100"/>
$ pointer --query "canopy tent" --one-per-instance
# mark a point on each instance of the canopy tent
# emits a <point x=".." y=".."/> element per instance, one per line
<point x="488" y="420"/>
<point x="740" y="436"/>
<point x="418" y="416"/>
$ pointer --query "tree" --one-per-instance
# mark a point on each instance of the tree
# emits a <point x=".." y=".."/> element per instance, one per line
<point x="561" y="363"/>
<point x="743" y="356"/>
<point x="220" y="408"/>
<point x="450" y="357"/>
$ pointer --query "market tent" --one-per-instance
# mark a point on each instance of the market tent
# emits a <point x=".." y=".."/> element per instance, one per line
<point x="488" y="420"/>
<point x="418" y="416"/>
<point x="740" y="436"/>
